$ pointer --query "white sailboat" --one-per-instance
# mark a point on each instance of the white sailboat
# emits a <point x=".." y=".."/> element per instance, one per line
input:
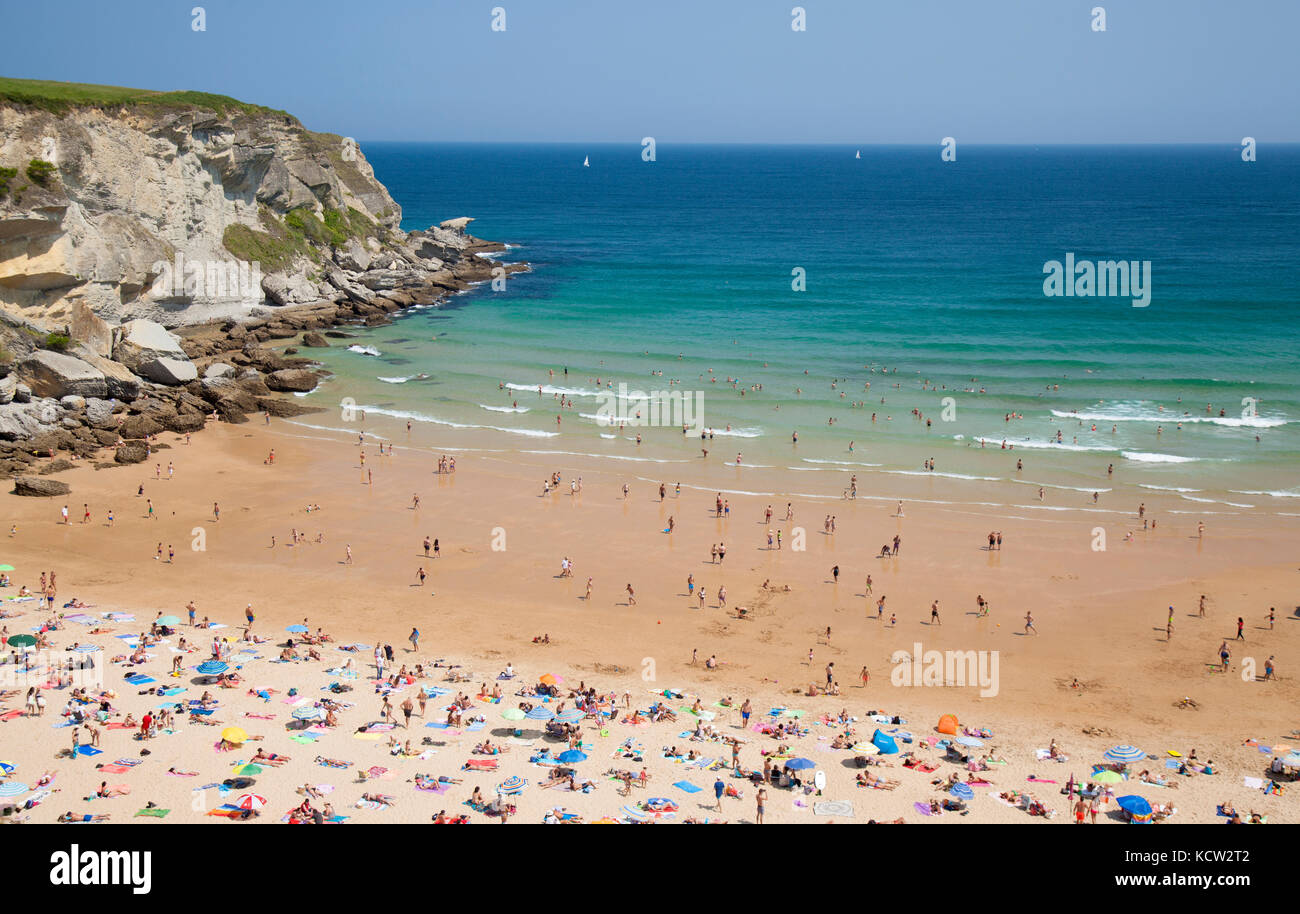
<point x="586" y="161"/>
<point x="858" y="154"/>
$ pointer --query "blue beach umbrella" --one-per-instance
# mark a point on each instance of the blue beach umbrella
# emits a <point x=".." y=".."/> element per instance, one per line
<point x="573" y="715"/>
<point x="571" y="757"/>
<point x="212" y="667"/>
<point x="970" y="742"/>
<point x="1125" y="754"/>
<point x="87" y="648"/>
<point x="12" y="789"/>
<point x="296" y="628"/>
<point x="540" y="713"/>
<point x="962" y="792"/>
<point x="799" y="764"/>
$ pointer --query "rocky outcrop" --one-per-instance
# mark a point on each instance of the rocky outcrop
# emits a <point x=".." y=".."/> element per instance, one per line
<point x="133" y="299"/>
<point x="40" y="487"/>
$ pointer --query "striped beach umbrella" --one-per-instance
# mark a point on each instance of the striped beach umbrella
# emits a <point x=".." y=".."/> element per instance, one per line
<point x="541" y="712"/>
<point x="251" y="801"/>
<point x="512" y="786"/>
<point x="636" y="815"/>
<point x="7" y="767"/>
<point x="12" y="789"/>
<point x="212" y="667"/>
<point x="962" y="792"/>
<point x="309" y="712"/>
<point x="571" y="716"/>
<point x="86" y="648"/>
<point x="571" y="757"/>
<point x="513" y="714"/>
<point x="1125" y="754"/>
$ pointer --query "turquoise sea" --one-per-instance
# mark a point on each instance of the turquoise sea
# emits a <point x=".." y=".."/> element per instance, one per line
<point x="923" y="278"/>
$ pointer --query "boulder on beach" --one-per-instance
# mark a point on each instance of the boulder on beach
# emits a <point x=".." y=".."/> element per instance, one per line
<point x="294" y="379"/>
<point x="54" y="374"/>
<point x="40" y="487"/>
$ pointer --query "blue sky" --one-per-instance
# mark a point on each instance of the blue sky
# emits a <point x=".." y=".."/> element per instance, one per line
<point x="864" y="71"/>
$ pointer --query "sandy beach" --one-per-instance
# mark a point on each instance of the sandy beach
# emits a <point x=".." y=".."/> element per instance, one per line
<point x="1098" y="670"/>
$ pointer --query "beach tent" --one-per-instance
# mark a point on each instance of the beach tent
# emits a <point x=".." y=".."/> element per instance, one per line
<point x="884" y="742"/>
<point x="948" y="724"/>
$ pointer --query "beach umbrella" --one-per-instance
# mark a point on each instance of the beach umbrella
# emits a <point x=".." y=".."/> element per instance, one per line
<point x="571" y="757"/>
<point x="247" y="769"/>
<point x="310" y="712"/>
<point x="571" y="716"/>
<point x="1107" y="777"/>
<point x="637" y="815"/>
<point x="296" y="628"/>
<point x="168" y="620"/>
<point x="549" y="679"/>
<point x="22" y="640"/>
<point x="251" y="801"/>
<point x="7" y="568"/>
<point x="971" y="742"/>
<point x="7" y="767"/>
<point x="1134" y="804"/>
<point x="866" y="748"/>
<point x="234" y="735"/>
<point x="962" y="792"/>
<point x="540" y="713"/>
<point x="212" y="667"/>
<point x="799" y="764"/>
<point x="87" y="648"/>
<point x="513" y="714"/>
<point x="1125" y="754"/>
<point x="1292" y="759"/>
<point x="12" y="789"/>
<point x="512" y="786"/>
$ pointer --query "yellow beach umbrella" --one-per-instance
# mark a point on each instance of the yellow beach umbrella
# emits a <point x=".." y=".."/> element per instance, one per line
<point x="234" y="735"/>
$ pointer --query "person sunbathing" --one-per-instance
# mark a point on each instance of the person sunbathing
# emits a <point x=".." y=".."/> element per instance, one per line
<point x="262" y="757"/>
<point x="1147" y="778"/>
<point x="381" y="798"/>
<point x="69" y="817"/>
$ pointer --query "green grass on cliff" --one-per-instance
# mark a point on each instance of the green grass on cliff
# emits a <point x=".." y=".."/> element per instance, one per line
<point x="299" y="233"/>
<point x="58" y="97"/>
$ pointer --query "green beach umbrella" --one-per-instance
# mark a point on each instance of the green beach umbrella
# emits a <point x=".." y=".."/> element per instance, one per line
<point x="1107" y="777"/>
<point x="513" y="714"/>
<point x="247" y="769"/>
<point x="7" y="568"/>
<point x="168" y="620"/>
<point x="22" y="640"/>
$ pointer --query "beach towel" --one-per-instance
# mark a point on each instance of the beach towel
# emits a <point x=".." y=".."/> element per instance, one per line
<point x="839" y="808"/>
<point x="153" y="811"/>
<point x="89" y="750"/>
<point x="114" y="769"/>
<point x="1038" y="780"/>
<point x="481" y="764"/>
<point x="434" y="786"/>
<point x="687" y="787"/>
<point x="1253" y="783"/>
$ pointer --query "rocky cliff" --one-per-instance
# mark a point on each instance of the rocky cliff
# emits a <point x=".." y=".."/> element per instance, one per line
<point x="148" y="240"/>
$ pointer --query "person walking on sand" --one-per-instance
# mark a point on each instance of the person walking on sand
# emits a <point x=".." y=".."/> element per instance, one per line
<point x="1202" y="608"/>
<point x="631" y="596"/>
<point x="348" y="560"/>
<point x="248" y="614"/>
<point x="934" y="613"/>
<point x="587" y="598"/>
<point x="1029" y="624"/>
<point x="865" y="676"/>
<point x="1224" y="655"/>
<point x="414" y="638"/>
<point x="760" y="799"/>
<point x="746" y="709"/>
<point x="1272" y="615"/>
<point x="835" y="574"/>
<point x="719" y="788"/>
<point x="1241" y="624"/>
<point x="868" y="585"/>
<point x="407" y="707"/>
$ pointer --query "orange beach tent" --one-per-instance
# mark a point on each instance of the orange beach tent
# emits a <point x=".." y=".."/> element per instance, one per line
<point x="948" y="724"/>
